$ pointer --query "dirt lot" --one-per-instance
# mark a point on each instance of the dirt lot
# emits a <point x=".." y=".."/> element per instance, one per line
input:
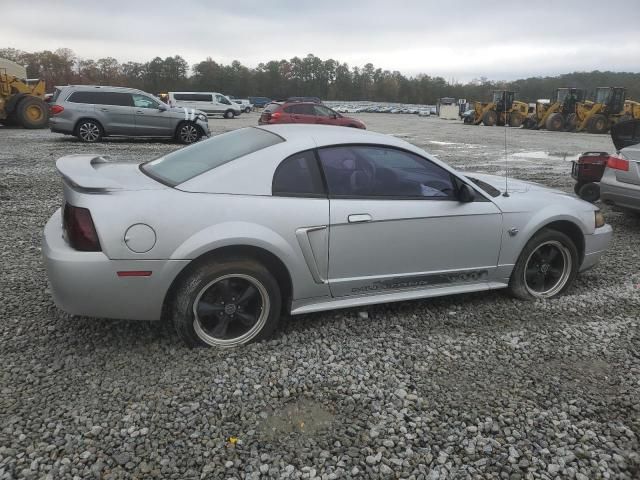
<point x="474" y="386"/>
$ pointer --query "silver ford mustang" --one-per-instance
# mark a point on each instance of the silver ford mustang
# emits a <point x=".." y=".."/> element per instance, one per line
<point x="226" y="235"/>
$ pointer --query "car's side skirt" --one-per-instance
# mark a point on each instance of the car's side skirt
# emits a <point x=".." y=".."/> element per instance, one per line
<point x="309" y="305"/>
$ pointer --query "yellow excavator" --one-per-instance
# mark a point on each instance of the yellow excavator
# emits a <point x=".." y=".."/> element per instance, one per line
<point x="503" y="109"/>
<point x="608" y="108"/>
<point x="21" y="100"/>
<point x="559" y="114"/>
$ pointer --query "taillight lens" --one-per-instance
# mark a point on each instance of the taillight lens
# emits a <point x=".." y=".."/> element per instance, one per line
<point x="275" y="116"/>
<point x="81" y="233"/>
<point x="618" y="163"/>
<point x="56" y="109"/>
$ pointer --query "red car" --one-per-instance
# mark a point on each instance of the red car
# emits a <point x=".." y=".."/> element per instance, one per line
<point x="305" y="112"/>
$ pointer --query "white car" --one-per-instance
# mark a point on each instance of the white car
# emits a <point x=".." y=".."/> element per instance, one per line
<point x="211" y="103"/>
<point x="245" y="104"/>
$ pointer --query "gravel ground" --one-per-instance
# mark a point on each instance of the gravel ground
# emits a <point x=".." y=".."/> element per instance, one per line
<point x="473" y="386"/>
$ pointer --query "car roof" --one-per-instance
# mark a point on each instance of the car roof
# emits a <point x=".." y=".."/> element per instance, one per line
<point x="101" y="87"/>
<point x="323" y="135"/>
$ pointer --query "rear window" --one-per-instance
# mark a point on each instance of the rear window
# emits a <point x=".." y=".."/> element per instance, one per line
<point x="102" y="98"/>
<point x="189" y="162"/>
<point x="192" y="97"/>
<point x="272" y="107"/>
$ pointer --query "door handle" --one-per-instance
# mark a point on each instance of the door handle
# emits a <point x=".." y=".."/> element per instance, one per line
<point x="104" y="109"/>
<point x="139" y="111"/>
<point x="359" y="218"/>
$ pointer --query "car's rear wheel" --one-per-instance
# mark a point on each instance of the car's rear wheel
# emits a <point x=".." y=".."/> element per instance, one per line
<point x="247" y="110"/>
<point x="188" y="132"/>
<point x="89" y="131"/>
<point x="226" y="304"/>
<point x="229" y="114"/>
<point x="546" y="267"/>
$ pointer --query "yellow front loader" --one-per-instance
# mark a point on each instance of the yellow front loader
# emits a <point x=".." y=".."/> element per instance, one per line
<point x="608" y="108"/>
<point x="21" y="100"/>
<point x="559" y="114"/>
<point x="503" y="109"/>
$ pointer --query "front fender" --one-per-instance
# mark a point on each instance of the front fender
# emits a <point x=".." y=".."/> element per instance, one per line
<point x="527" y="225"/>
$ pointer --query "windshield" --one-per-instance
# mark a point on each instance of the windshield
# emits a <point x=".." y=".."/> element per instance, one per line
<point x="602" y="95"/>
<point x="189" y="162"/>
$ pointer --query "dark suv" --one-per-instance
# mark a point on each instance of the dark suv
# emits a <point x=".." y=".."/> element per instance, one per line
<point x="305" y="112"/>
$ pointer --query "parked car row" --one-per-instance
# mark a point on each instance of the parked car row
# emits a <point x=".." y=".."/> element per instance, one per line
<point x="381" y="107"/>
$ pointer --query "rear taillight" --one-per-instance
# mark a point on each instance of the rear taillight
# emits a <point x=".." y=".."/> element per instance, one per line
<point x="56" y="109"/>
<point x="81" y="233"/>
<point x="618" y="163"/>
<point x="275" y="115"/>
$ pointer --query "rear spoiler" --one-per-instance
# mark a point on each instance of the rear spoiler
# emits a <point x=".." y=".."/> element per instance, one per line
<point x="80" y="172"/>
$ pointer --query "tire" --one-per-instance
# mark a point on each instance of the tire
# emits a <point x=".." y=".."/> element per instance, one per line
<point x="544" y="268"/>
<point x="490" y="118"/>
<point x="598" y="124"/>
<point x="516" y="120"/>
<point x="32" y="112"/>
<point x="555" y="122"/>
<point x="89" y="131"/>
<point x="589" y="192"/>
<point x="206" y="310"/>
<point x="571" y="123"/>
<point x="247" y="110"/>
<point x="229" y="114"/>
<point x="188" y="132"/>
<point x="577" y="187"/>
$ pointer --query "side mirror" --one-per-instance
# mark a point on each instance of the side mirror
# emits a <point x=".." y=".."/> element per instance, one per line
<point x="162" y="107"/>
<point x="466" y="194"/>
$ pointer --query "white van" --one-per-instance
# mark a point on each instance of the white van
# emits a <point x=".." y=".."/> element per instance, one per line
<point x="211" y="103"/>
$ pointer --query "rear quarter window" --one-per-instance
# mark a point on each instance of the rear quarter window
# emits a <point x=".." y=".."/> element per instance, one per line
<point x="189" y="162"/>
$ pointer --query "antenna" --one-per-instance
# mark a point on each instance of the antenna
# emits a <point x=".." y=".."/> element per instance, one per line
<point x="506" y="156"/>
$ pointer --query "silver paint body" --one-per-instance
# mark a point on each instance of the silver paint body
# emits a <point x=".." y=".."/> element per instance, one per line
<point x="390" y="250"/>
<point x="623" y="188"/>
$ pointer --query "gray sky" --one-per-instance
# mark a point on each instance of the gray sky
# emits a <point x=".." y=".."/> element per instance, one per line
<point x="455" y="39"/>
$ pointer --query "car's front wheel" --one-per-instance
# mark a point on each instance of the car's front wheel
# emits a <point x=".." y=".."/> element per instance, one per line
<point x="227" y="303"/>
<point x="546" y="267"/>
<point x="188" y="132"/>
<point x="229" y="114"/>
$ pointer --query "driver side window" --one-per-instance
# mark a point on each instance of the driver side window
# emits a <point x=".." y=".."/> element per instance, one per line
<point x="374" y="171"/>
<point x="222" y="100"/>
<point x="142" y="101"/>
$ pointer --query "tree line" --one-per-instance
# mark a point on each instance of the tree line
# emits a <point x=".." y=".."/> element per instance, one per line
<point x="308" y="76"/>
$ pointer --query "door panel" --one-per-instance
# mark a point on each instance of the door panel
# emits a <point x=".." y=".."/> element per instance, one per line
<point x="150" y="121"/>
<point x="411" y="243"/>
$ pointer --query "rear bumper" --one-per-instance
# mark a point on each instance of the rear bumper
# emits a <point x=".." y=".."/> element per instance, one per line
<point x="87" y="283"/>
<point x="613" y="192"/>
<point x="595" y="245"/>
<point x="61" y="125"/>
